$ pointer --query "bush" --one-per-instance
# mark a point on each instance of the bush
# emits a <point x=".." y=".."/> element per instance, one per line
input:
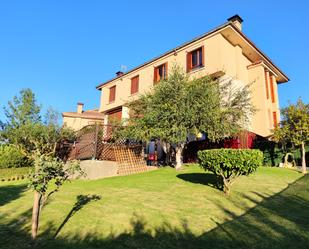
<point x="274" y="153"/>
<point x="229" y="164"/>
<point x="10" y="157"/>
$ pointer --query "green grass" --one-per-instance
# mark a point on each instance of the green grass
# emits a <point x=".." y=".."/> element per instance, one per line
<point x="164" y="209"/>
<point x="11" y="174"/>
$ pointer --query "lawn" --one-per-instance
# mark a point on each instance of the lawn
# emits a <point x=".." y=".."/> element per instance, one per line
<point x="164" y="209"/>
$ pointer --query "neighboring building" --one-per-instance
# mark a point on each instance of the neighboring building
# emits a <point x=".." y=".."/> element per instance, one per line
<point x="79" y="119"/>
<point x="223" y="49"/>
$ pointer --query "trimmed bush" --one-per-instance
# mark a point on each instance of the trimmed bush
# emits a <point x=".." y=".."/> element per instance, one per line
<point x="10" y="157"/>
<point x="229" y="164"/>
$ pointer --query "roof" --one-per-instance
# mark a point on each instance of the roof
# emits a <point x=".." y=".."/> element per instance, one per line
<point x="89" y="114"/>
<point x="226" y="24"/>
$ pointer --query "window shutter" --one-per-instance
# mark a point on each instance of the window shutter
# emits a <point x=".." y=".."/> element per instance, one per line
<point x="166" y="70"/>
<point x="155" y="75"/>
<point x="112" y="94"/>
<point x="275" y="121"/>
<point x="134" y="84"/>
<point x="266" y="83"/>
<point x="272" y="89"/>
<point x="203" y="56"/>
<point x="114" y="115"/>
<point x="189" y="66"/>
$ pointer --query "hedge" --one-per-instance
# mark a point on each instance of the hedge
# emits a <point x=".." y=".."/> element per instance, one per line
<point x="274" y="153"/>
<point x="11" y="157"/>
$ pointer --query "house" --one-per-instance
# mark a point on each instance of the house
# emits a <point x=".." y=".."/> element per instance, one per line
<point x="224" y="49"/>
<point x="80" y="118"/>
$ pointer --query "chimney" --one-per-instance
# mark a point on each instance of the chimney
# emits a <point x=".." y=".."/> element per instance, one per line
<point x="236" y="20"/>
<point x="119" y="73"/>
<point x="80" y="107"/>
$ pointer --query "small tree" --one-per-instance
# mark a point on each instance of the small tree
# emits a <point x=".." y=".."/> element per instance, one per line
<point x="49" y="175"/>
<point x="229" y="164"/>
<point x="178" y="107"/>
<point x="294" y="128"/>
<point x="38" y="140"/>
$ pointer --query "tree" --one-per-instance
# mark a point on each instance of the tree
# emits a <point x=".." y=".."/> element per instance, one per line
<point x="22" y="109"/>
<point x="46" y="179"/>
<point x="177" y="107"/>
<point x="294" y="127"/>
<point x="51" y="117"/>
<point x="2" y="125"/>
<point x="38" y="140"/>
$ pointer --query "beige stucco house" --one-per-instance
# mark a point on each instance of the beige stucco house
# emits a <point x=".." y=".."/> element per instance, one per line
<point x="80" y="118"/>
<point x="224" y="49"/>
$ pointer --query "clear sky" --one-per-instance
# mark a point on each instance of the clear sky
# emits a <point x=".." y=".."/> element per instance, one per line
<point x="63" y="49"/>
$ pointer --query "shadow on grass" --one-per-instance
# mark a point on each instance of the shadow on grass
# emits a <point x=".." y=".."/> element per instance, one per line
<point x="279" y="221"/>
<point x="208" y="179"/>
<point x="10" y="193"/>
<point x="81" y="201"/>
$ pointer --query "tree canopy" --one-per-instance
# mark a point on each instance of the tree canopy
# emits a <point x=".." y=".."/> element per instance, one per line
<point x="294" y="127"/>
<point x="22" y="109"/>
<point x="178" y="106"/>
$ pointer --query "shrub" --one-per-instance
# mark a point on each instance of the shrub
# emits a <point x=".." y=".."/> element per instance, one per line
<point x="11" y="157"/>
<point x="274" y="153"/>
<point x="230" y="163"/>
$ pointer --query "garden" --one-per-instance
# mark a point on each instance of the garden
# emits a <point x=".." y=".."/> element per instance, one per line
<point x="229" y="199"/>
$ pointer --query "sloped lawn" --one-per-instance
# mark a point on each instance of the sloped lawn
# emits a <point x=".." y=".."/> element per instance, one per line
<point x="164" y="209"/>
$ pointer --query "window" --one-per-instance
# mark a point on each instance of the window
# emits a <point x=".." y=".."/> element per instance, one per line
<point x="160" y="73"/>
<point x="195" y="59"/>
<point x="112" y="94"/>
<point x="114" y="116"/>
<point x="272" y="91"/>
<point x="266" y="83"/>
<point x="134" y="84"/>
<point x="275" y="121"/>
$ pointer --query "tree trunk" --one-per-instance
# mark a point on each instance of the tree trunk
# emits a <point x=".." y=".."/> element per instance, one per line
<point x="167" y="150"/>
<point x="226" y="189"/>
<point x="303" y="158"/>
<point x="35" y="214"/>
<point x="226" y="186"/>
<point x="179" y="150"/>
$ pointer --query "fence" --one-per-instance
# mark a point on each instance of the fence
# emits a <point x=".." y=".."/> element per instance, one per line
<point x="97" y="142"/>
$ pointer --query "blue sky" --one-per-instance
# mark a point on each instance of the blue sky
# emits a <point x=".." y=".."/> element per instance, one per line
<point x="63" y="49"/>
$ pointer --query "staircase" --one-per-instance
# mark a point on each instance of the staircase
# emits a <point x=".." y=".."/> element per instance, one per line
<point x="129" y="160"/>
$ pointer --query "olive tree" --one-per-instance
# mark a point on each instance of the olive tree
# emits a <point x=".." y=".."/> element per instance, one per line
<point x="179" y="106"/>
